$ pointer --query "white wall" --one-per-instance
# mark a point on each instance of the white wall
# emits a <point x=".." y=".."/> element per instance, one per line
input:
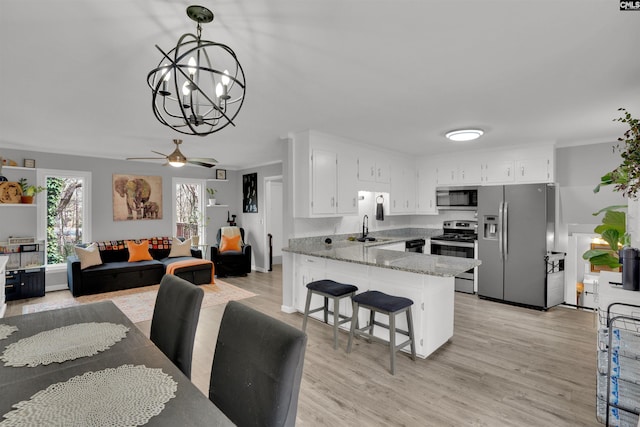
<point x="253" y="223"/>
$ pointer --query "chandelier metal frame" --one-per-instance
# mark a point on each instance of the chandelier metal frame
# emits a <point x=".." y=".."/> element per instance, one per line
<point x="212" y="96"/>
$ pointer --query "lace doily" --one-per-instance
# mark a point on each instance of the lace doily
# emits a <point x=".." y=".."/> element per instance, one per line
<point x="124" y="396"/>
<point x="65" y="343"/>
<point x="6" y="330"/>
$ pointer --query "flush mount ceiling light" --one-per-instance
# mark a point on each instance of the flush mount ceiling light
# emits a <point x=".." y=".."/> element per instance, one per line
<point x="464" y="134"/>
<point x="190" y="94"/>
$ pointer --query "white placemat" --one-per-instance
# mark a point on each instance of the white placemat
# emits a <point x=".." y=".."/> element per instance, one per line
<point x="62" y="344"/>
<point x="6" y="330"/>
<point x="124" y="396"/>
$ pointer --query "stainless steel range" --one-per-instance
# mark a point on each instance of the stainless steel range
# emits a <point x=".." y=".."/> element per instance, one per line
<point x="459" y="240"/>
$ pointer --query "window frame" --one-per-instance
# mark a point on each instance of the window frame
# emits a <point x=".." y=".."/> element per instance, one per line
<point x="175" y="181"/>
<point x="41" y="229"/>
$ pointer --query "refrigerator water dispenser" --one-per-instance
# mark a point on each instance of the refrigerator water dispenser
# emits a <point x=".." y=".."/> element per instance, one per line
<point x="490" y="231"/>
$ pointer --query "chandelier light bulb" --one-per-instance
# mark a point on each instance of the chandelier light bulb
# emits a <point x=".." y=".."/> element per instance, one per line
<point x="185" y="89"/>
<point x="167" y="73"/>
<point x="225" y="78"/>
<point x="192" y="65"/>
<point x="219" y="90"/>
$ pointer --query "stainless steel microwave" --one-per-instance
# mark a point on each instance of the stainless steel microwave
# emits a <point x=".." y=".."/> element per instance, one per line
<point x="457" y="198"/>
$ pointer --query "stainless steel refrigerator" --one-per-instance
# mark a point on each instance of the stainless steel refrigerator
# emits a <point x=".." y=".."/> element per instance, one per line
<point x="516" y="225"/>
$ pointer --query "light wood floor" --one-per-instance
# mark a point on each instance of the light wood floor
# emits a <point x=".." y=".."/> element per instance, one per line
<point x="504" y="366"/>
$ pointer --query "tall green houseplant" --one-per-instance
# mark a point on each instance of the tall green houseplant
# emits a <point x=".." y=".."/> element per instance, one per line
<point x="626" y="179"/>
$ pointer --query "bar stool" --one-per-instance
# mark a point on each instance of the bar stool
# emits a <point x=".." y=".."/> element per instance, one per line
<point x="329" y="289"/>
<point x="379" y="302"/>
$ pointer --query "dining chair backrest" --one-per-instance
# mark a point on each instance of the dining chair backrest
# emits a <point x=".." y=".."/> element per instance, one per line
<point x="175" y="319"/>
<point x="257" y="368"/>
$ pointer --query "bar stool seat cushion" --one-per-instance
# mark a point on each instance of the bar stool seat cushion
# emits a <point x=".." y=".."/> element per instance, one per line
<point x="382" y="301"/>
<point x="331" y="287"/>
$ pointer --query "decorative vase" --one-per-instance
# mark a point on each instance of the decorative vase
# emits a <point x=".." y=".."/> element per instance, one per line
<point x="195" y="240"/>
<point x="26" y="200"/>
<point x="212" y="202"/>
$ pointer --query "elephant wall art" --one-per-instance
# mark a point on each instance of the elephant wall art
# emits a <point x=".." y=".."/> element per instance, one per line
<point x="137" y="197"/>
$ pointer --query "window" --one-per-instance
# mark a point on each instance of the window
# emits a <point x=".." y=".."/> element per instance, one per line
<point x="189" y="212"/>
<point x="65" y="221"/>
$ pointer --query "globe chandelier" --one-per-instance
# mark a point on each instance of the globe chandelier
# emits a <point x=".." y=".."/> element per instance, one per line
<point x="198" y="86"/>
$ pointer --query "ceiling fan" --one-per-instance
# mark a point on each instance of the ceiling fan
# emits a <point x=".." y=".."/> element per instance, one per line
<point x="177" y="159"/>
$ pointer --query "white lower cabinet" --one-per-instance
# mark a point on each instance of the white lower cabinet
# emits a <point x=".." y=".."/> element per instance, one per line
<point x="307" y="269"/>
<point x="432" y="296"/>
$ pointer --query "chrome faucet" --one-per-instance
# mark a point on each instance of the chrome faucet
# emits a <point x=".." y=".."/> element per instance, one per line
<point x="365" y="226"/>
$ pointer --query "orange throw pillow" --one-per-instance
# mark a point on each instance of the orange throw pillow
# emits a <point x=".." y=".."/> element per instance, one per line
<point x="230" y="244"/>
<point x="139" y="251"/>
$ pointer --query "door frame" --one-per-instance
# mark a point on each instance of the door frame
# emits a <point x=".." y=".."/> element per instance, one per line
<point x="267" y="208"/>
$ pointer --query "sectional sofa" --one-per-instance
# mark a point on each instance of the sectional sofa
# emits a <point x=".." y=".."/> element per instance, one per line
<point x="115" y="271"/>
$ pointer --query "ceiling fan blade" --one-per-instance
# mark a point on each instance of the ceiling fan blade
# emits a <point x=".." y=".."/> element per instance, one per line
<point x="145" y="158"/>
<point x="196" y="162"/>
<point x="204" y="159"/>
<point x="157" y="152"/>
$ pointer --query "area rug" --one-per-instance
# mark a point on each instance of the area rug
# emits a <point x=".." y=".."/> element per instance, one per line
<point x="138" y="303"/>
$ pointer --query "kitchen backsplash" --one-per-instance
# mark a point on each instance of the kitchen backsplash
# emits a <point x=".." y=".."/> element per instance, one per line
<point x="306" y="227"/>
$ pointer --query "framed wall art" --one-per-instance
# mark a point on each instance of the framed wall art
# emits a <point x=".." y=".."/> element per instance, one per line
<point x="250" y="193"/>
<point x="221" y="174"/>
<point x="137" y="197"/>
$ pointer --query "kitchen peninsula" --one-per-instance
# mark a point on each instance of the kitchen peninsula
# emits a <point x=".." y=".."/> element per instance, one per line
<point x="427" y="279"/>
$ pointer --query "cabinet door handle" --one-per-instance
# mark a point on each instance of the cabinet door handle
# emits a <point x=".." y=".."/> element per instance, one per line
<point x="522" y="170"/>
<point x="379" y="173"/>
<point x="333" y="201"/>
<point x="354" y="202"/>
<point x="373" y="172"/>
<point x="509" y="171"/>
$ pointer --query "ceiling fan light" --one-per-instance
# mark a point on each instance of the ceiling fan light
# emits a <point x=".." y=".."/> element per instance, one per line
<point x="177" y="163"/>
<point x="464" y="134"/>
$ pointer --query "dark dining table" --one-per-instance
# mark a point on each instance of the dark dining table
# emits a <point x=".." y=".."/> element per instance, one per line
<point x="190" y="407"/>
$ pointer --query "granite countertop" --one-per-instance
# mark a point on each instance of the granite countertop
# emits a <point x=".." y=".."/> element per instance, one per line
<point x="369" y="253"/>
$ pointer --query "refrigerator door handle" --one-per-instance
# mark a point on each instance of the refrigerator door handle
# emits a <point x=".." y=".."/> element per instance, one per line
<point x="505" y="225"/>
<point x="500" y="229"/>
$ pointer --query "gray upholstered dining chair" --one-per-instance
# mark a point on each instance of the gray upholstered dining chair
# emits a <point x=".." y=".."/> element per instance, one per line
<point x="257" y="368"/>
<point x="175" y="319"/>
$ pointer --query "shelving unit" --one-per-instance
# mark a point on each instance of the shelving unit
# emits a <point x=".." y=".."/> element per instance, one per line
<point x="25" y="272"/>
<point x="618" y="379"/>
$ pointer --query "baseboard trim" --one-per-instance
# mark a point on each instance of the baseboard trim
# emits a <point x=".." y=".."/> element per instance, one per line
<point x="59" y="287"/>
<point x="287" y="309"/>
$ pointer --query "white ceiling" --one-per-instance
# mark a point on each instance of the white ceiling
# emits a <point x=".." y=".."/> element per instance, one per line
<point x="392" y="73"/>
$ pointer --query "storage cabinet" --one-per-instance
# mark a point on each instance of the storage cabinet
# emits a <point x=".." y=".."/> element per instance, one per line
<point x="426" y="191"/>
<point x="373" y="169"/>
<point x="618" y="378"/>
<point x="402" y="188"/>
<point x="325" y="177"/>
<point x="25" y="273"/>
<point x="532" y="170"/>
<point x="347" y="185"/>
<point x="21" y="284"/>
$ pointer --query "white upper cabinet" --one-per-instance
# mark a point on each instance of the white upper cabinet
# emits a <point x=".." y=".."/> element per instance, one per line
<point x="533" y="169"/>
<point x="498" y="172"/>
<point x="402" y="187"/>
<point x="426" y="189"/>
<point x="324" y="180"/>
<point x="372" y="168"/>
<point x="470" y="172"/>
<point x="325" y="176"/>
<point x="347" y="186"/>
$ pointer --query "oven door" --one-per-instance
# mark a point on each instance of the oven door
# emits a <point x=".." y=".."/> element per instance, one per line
<point x="464" y="281"/>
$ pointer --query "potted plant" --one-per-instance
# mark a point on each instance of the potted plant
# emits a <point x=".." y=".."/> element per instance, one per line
<point x="212" y="196"/>
<point x="200" y="222"/>
<point x="613" y="230"/>
<point x="626" y="179"/>
<point x="29" y="191"/>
